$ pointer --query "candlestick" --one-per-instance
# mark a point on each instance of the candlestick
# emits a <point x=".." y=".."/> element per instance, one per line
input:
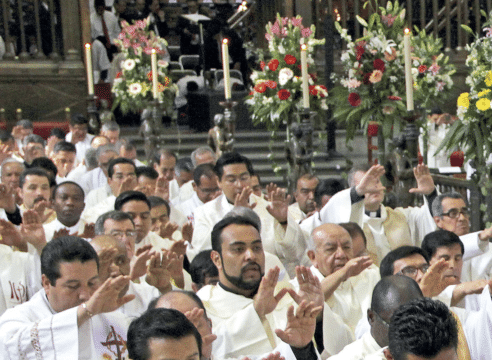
<point x="90" y="73"/>
<point x="225" y="67"/>
<point x="153" y="58"/>
<point x="408" y="70"/>
<point x="305" y="80"/>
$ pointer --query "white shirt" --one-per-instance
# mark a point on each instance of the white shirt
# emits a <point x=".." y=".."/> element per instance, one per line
<point x="98" y="195"/>
<point x="359" y="349"/>
<point x="90" y="215"/>
<point x="92" y="179"/>
<point x="111" y="24"/>
<point x="55" y="225"/>
<point x="188" y="207"/>
<point x="144" y="294"/>
<point x="77" y="173"/>
<point x="186" y="191"/>
<point x="33" y="330"/>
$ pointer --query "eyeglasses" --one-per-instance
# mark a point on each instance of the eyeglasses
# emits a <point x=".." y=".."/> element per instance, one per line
<point x="411" y="271"/>
<point x="455" y="213"/>
<point x="120" y="234"/>
<point x="385" y="323"/>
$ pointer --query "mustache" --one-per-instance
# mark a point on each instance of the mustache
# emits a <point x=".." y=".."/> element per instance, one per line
<point x="38" y="199"/>
<point x="251" y="266"/>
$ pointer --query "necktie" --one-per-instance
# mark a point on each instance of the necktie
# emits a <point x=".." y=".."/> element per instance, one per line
<point x="105" y="30"/>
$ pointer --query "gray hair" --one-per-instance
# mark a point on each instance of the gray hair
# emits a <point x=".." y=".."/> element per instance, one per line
<point x="11" y="160"/>
<point x="355" y="169"/>
<point x="26" y="124"/>
<point x="201" y="150"/>
<point x="90" y="158"/>
<point x="183" y="164"/>
<point x="115" y="215"/>
<point x="437" y="203"/>
<point x="110" y="126"/>
<point x="245" y="212"/>
<point x="104" y="149"/>
<point x="33" y="138"/>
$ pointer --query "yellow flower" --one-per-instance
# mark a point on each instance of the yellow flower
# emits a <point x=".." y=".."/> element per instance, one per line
<point x="463" y="100"/>
<point x="488" y="78"/>
<point x="483" y="93"/>
<point x="483" y="104"/>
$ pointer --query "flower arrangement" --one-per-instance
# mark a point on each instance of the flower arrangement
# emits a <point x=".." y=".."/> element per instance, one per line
<point x="132" y="86"/>
<point x="372" y="89"/>
<point x="471" y="132"/>
<point x="277" y="90"/>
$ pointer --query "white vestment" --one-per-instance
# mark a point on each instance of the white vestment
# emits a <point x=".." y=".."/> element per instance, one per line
<point x="188" y="207"/>
<point x="92" y="179"/>
<point x="55" y="225"/>
<point x="186" y="191"/>
<point x="77" y="173"/>
<point x="144" y="294"/>
<point x="90" y="215"/>
<point x="275" y="239"/>
<point x="296" y="212"/>
<point x="112" y="25"/>
<point x="20" y="276"/>
<point x="97" y="195"/>
<point x="33" y="330"/>
<point x="81" y="147"/>
<point x="359" y="349"/>
<point x="173" y="189"/>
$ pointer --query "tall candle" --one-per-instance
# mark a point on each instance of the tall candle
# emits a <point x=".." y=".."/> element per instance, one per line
<point x="225" y="67"/>
<point x="90" y="73"/>
<point x="155" y="76"/>
<point x="408" y="70"/>
<point x="305" y="79"/>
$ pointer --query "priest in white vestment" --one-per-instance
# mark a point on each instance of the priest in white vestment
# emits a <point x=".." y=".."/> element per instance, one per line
<point x="98" y="177"/>
<point x="78" y="135"/>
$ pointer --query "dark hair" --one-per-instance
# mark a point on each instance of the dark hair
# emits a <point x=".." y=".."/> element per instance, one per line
<point x="65" y="249"/>
<point x="79" y="119"/>
<point x="33" y="138"/>
<point x="203" y="170"/>
<point x="45" y="164"/>
<point x="226" y="221"/>
<point x="147" y="171"/>
<point x="5" y="136"/>
<point x="327" y="187"/>
<point x="232" y="158"/>
<point x="64" y="146"/>
<point x="201" y="266"/>
<point x="386" y="267"/>
<point x="117" y="161"/>
<point x="130" y="195"/>
<point x="32" y="171"/>
<point x="59" y="133"/>
<point x="423" y="328"/>
<point x="163" y="152"/>
<point x="115" y="215"/>
<point x="440" y="238"/>
<point x="157" y="201"/>
<point x="26" y="124"/>
<point x="354" y="229"/>
<point x="158" y="324"/>
<point x="55" y="189"/>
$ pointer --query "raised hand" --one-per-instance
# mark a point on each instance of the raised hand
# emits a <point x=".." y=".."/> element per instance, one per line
<point x="5" y="152"/>
<point x="269" y="188"/>
<point x="32" y="229"/>
<point x="126" y="185"/>
<point x="433" y="283"/>
<point x="301" y="326"/>
<point x="11" y="236"/>
<point x="162" y="188"/>
<point x="60" y="233"/>
<point x="370" y="182"/>
<point x="106" y="257"/>
<point x="158" y="272"/>
<point x="7" y="198"/>
<point x="265" y="301"/>
<point x="179" y="247"/>
<point x="166" y="230"/>
<point x="355" y="266"/>
<point x="197" y="318"/>
<point x="279" y="205"/>
<point x="425" y="184"/>
<point x="139" y="266"/>
<point x="187" y="231"/>
<point x="309" y="287"/>
<point x="50" y="145"/>
<point x="242" y="199"/>
<point x="43" y="208"/>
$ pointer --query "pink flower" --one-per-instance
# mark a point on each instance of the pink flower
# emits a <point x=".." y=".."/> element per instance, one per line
<point x="306" y="32"/>
<point x="440" y="85"/>
<point x="140" y="24"/>
<point x="388" y="20"/>
<point x="275" y="28"/>
<point x="353" y="83"/>
<point x="126" y="43"/>
<point x="296" y="22"/>
<point x="283" y="32"/>
<point x="148" y="50"/>
<point x="285" y="21"/>
<point x="434" y="69"/>
<point x="268" y="37"/>
<point x="489" y="31"/>
<point x="131" y="30"/>
<point x="376" y="76"/>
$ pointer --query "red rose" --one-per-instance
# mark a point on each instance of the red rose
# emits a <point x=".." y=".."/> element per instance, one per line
<point x="422" y="69"/>
<point x="393" y="97"/>
<point x="354" y="99"/>
<point x="262" y="65"/>
<point x="260" y="87"/>
<point x="251" y="93"/>
<point x="378" y="64"/>
<point x="118" y="75"/>
<point x="271" y="84"/>
<point x="283" y="94"/>
<point x="273" y="64"/>
<point x="372" y="129"/>
<point x="312" y="90"/>
<point x="457" y="158"/>
<point x="314" y="77"/>
<point x="365" y="80"/>
<point x="290" y="60"/>
<point x="149" y="75"/>
<point x="359" y="51"/>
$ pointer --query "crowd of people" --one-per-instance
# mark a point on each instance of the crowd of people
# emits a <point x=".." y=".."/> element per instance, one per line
<point x="106" y="257"/>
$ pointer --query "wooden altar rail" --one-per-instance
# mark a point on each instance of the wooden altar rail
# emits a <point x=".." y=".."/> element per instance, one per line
<point x="443" y="18"/>
<point x="469" y="190"/>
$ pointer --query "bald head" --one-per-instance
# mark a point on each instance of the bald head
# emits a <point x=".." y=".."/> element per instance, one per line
<point x="101" y="242"/>
<point x="330" y="249"/>
<point x="388" y="295"/>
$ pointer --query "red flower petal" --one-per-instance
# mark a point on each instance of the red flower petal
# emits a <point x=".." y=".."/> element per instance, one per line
<point x="354" y="99"/>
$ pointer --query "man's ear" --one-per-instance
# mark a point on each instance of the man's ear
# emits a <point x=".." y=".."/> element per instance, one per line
<point x="312" y="257"/>
<point x="370" y="316"/>
<point x="387" y="354"/>
<point x="46" y="283"/>
<point x="194" y="287"/>
<point x="19" y="192"/>
<point x="438" y="220"/>
<point x="215" y="256"/>
<point x="194" y="186"/>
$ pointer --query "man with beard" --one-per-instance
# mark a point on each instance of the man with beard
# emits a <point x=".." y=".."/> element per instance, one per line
<point x="68" y="203"/>
<point x="35" y="193"/>
<point x="244" y="306"/>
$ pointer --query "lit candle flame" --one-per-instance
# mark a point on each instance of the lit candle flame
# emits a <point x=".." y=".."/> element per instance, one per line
<point x="88" y="46"/>
<point x="304" y="47"/>
<point x="406" y="31"/>
<point x="225" y="41"/>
